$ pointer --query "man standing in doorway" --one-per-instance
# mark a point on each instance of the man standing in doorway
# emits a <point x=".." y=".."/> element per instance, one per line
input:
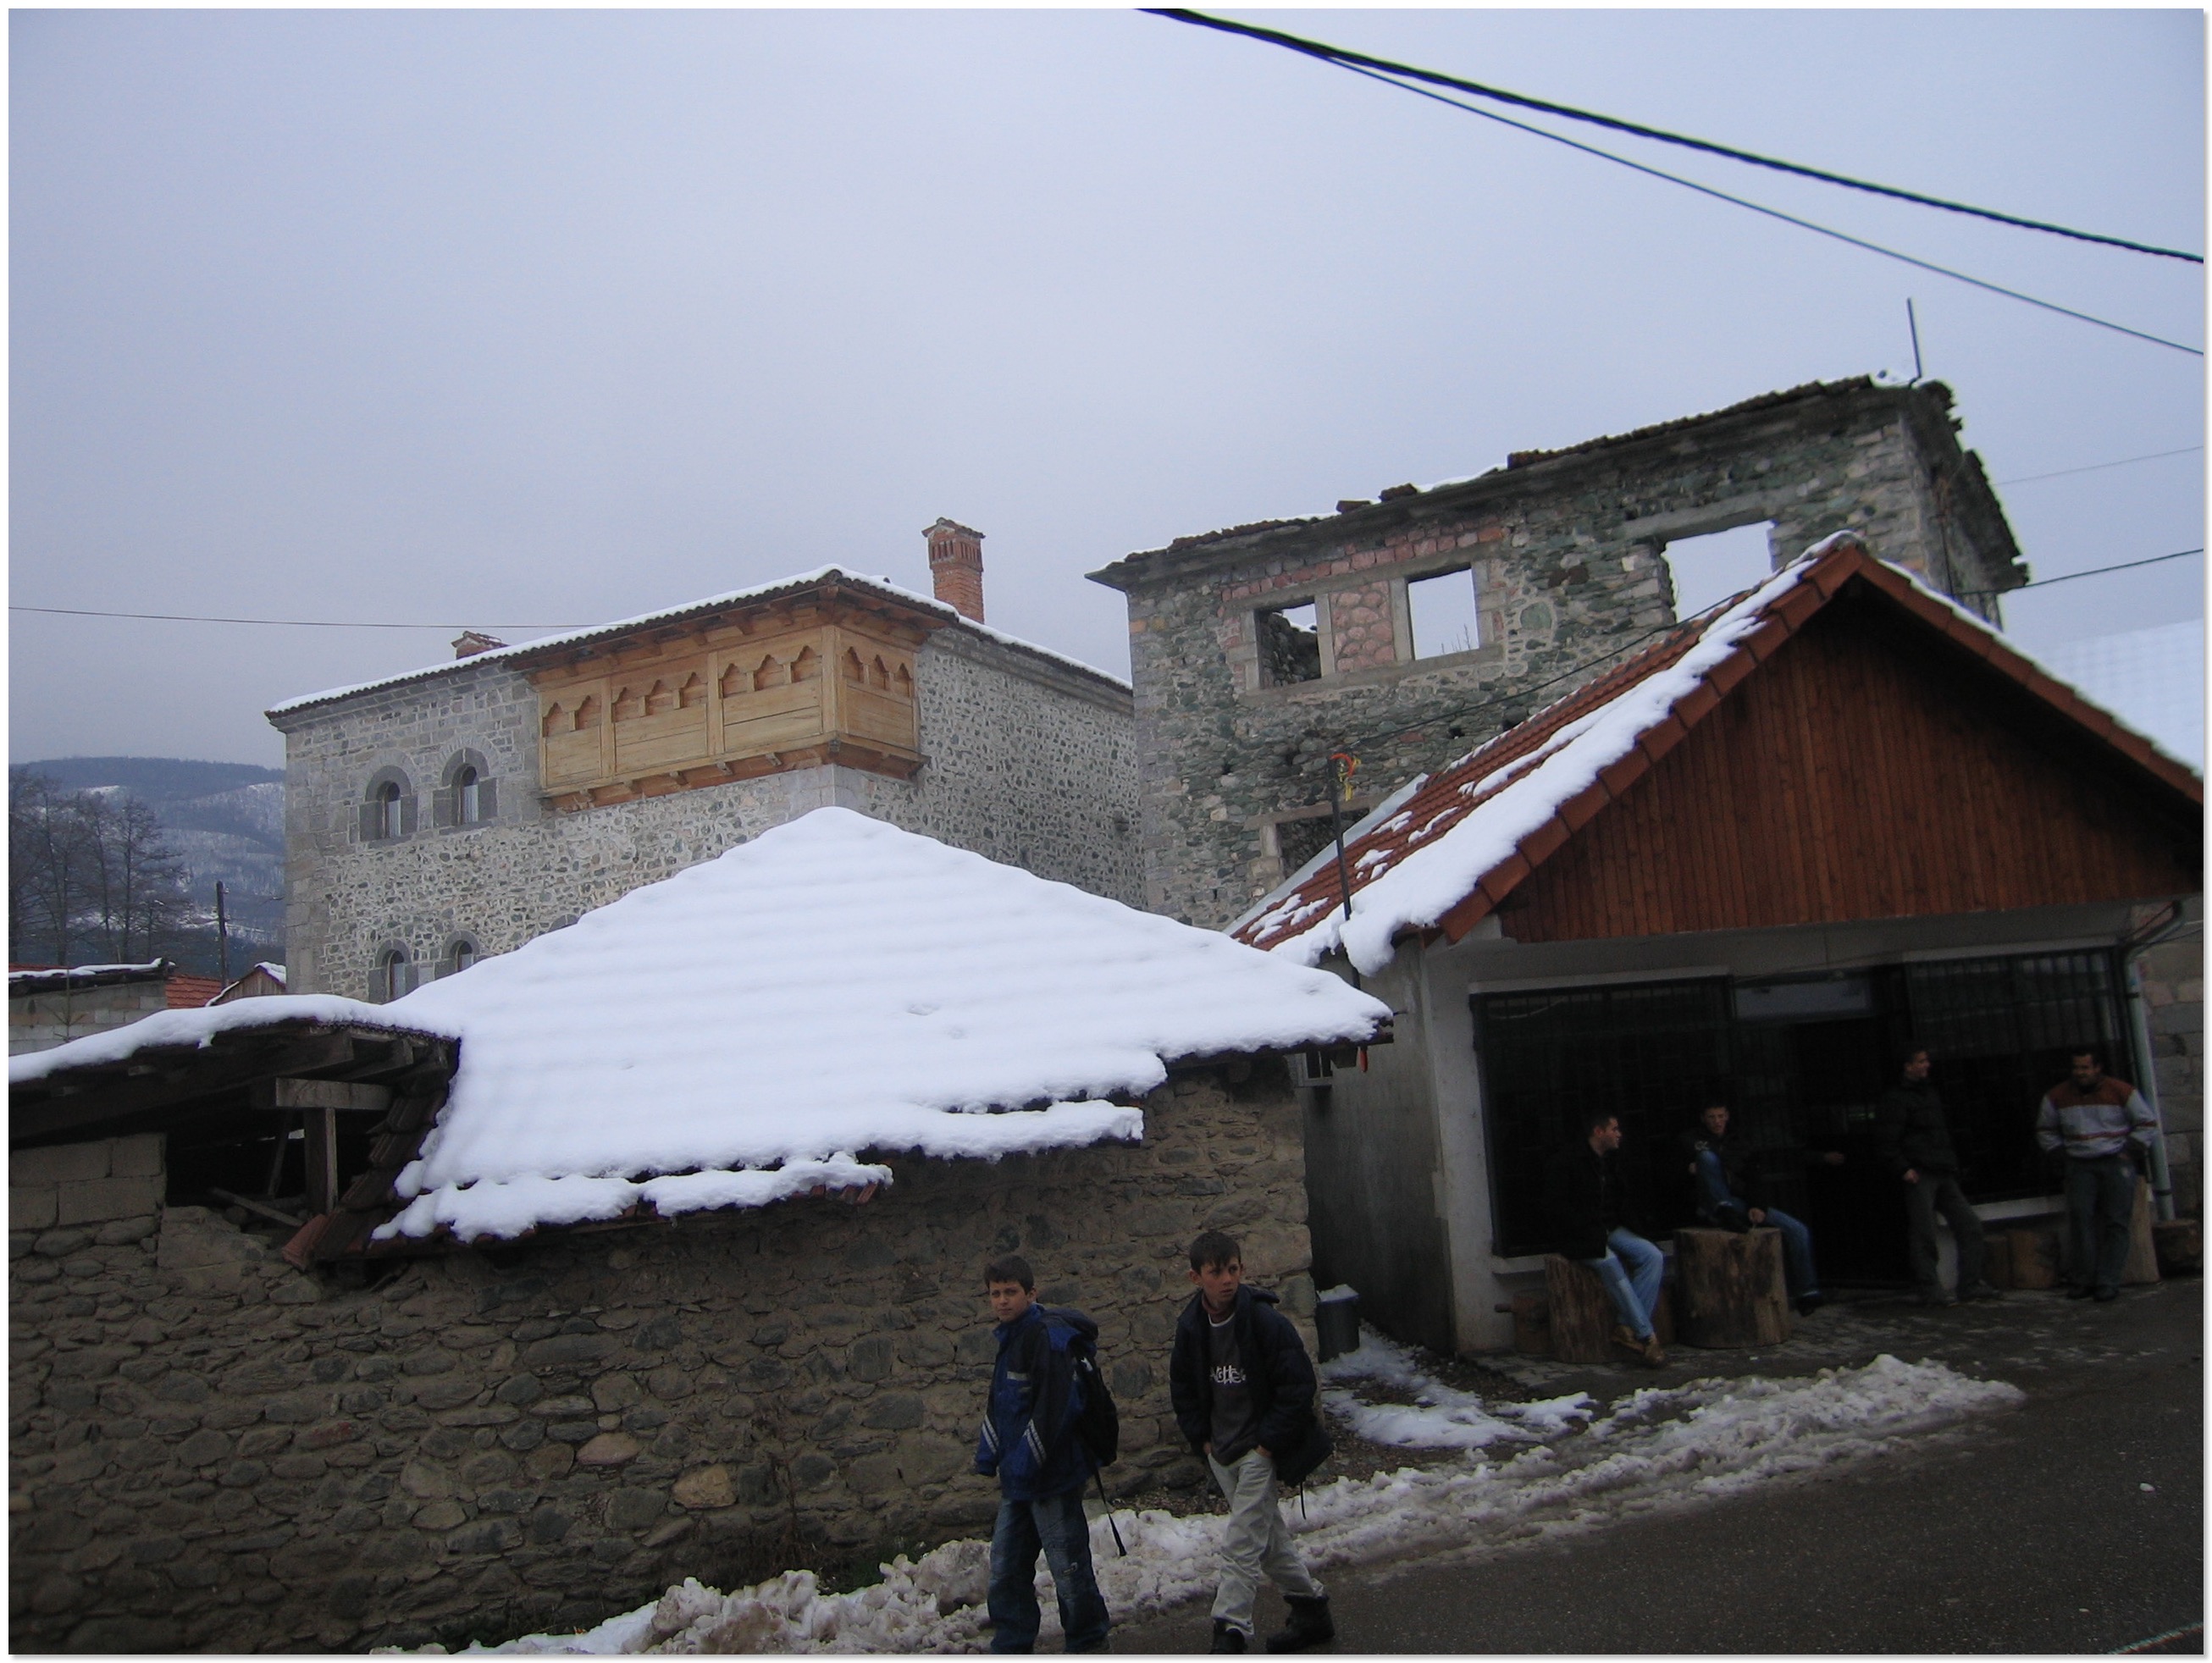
<point x="2104" y="1128"/>
<point x="1915" y="1138"/>
<point x="1593" y="1213"/>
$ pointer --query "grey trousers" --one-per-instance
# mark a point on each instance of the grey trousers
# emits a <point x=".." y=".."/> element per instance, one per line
<point x="2100" y="1205"/>
<point x="1940" y="1192"/>
<point x="1255" y="1541"/>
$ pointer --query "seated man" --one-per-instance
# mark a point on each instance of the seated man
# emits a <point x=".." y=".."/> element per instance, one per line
<point x="1593" y="1210"/>
<point x="1725" y="1175"/>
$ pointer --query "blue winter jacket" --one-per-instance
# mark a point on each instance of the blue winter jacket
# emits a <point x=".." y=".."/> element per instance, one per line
<point x="1029" y="1424"/>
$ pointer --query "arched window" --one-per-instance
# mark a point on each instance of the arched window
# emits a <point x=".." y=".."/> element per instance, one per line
<point x="387" y="809"/>
<point x="395" y="975"/>
<point x="388" y="817"/>
<point x="469" y="796"/>
<point x="461" y="952"/>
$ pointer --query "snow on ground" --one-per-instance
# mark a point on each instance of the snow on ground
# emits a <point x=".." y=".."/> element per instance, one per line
<point x="1658" y="1447"/>
<point x="1441" y="1417"/>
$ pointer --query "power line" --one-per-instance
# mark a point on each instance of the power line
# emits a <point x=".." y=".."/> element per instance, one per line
<point x="281" y="623"/>
<point x="1342" y="59"/>
<point x="2095" y="467"/>
<point x="1787" y="219"/>
<point x="2093" y="571"/>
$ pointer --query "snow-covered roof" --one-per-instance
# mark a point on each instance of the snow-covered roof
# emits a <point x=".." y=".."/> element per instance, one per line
<point x="198" y="1027"/>
<point x="1474" y="828"/>
<point x="29" y="979"/>
<point x="882" y="586"/>
<point x="752" y="1026"/>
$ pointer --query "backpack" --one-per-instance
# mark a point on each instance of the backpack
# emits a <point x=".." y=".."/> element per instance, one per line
<point x="1097" y="1422"/>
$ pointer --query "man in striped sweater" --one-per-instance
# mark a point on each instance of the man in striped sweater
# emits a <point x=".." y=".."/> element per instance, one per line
<point x="2104" y="1128"/>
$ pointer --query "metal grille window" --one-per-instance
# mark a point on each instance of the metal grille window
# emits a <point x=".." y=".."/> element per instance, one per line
<point x="1999" y="1031"/>
<point x="1653" y="1053"/>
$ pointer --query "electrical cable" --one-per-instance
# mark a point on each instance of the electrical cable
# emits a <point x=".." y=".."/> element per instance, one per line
<point x="2093" y="571"/>
<point x="284" y="623"/>
<point x="1342" y="59"/>
<point x="2096" y="467"/>
<point x="1787" y="219"/>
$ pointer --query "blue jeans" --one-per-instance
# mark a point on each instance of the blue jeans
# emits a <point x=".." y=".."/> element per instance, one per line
<point x="1714" y="1200"/>
<point x="2100" y="1206"/>
<point x="1634" y="1285"/>
<point x="1056" y="1524"/>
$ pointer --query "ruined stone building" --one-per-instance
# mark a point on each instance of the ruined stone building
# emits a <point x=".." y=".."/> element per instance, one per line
<point x="1258" y="650"/>
<point x="445" y="814"/>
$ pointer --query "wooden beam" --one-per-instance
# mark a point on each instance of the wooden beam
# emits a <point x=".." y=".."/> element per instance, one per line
<point x="253" y="1206"/>
<point x="43" y="1116"/>
<point x="322" y="1129"/>
<point x="350" y="1095"/>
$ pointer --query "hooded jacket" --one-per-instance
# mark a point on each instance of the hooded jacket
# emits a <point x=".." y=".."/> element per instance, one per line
<point x="1029" y="1438"/>
<point x="1911" y="1132"/>
<point x="1281" y="1382"/>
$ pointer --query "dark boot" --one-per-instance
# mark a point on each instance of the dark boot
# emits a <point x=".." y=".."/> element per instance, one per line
<point x="1227" y="1637"/>
<point x="1310" y="1624"/>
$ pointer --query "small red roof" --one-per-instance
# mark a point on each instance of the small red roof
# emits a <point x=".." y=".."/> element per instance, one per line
<point x="1573" y="758"/>
<point x="191" y="993"/>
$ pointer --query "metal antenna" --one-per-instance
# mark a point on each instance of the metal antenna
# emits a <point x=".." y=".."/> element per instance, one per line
<point x="1912" y="323"/>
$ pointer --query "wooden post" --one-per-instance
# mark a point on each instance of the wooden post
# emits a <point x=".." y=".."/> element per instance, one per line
<point x="1582" y="1316"/>
<point x="2033" y="1265"/>
<point x="1731" y="1288"/>
<point x="322" y="1147"/>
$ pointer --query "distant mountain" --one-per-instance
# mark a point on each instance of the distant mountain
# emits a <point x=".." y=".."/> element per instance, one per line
<point x="226" y="820"/>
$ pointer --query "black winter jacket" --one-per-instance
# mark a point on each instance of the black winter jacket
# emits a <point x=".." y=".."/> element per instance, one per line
<point x="1592" y="1195"/>
<point x="1282" y="1383"/>
<point x="1911" y="1132"/>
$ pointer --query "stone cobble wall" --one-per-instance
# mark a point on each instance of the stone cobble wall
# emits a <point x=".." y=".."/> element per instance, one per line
<point x="1567" y="553"/>
<point x="212" y="1451"/>
<point x="39" y="1022"/>
<point x="2173" y="989"/>
<point x="1028" y="764"/>
<point x="92" y="1183"/>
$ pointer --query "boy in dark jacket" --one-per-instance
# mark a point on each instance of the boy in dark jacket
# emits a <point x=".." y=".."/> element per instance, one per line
<point x="1029" y="1444"/>
<point x="1243" y="1393"/>
<point x="1914" y="1138"/>
<point x="1594" y="1212"/>
<point x="1731" y="1196"/>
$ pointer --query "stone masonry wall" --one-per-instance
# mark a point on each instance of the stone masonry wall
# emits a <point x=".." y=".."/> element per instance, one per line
<point x="1028" y="764"/>
<point x="211" y="1451"/>
<point x="39" y="1022"/>
<point x="2173" y="989"/>
<point x="1567" y="553"/>
<point x="81" y="1184"/>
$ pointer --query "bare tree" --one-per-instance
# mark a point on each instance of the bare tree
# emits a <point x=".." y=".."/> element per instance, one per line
<point x="88" y="871"/>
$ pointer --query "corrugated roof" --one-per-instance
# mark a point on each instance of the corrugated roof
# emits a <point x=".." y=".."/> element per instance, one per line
<point x="1444" y="850"/>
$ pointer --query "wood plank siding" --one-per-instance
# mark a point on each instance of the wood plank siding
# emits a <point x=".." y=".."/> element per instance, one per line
<point x="1867" y="770"/>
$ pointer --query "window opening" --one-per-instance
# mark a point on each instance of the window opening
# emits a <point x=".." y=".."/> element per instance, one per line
<point x="395" y="974"/>
<point x="1707" y="569"/>
<point x="388" y="811"/>
<point x="470" y="797"/>
<point x="463" y="956"/>
<point x="1300" y="840"/>
<point x="1289" y="645"/>
<point x="1443" y="609"/>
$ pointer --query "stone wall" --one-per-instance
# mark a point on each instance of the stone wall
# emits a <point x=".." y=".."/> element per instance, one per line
<point x="41" y="1021"/>
<point x="2173" y="980"/>
<point x="82" y="1184"/>
<point x="1029" y="761"/>
<point x="1567" y="553"/>
<point x="212" y="1451"/>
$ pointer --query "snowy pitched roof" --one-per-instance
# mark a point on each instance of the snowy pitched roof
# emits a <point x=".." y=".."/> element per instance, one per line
<point x="883" y="587"/>
<point x="751" y="1027"/>
<point x="42" y="978"/>
<point x="1440" y="852"/>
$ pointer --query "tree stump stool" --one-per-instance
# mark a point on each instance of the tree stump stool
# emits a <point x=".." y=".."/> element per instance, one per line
<point x="1731" y="1289"/>
<point x="1582" y="1316"/>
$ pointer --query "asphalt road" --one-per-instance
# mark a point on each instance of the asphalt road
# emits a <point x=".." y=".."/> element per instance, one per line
<point x="2029" y="1532"/>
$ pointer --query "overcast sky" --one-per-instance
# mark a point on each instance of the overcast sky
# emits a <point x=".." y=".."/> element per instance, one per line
<point x="514" y="318"/>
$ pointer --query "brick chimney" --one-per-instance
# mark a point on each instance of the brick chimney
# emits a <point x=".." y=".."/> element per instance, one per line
<point x="955" y="566"/>
<point x="470" y="642"/>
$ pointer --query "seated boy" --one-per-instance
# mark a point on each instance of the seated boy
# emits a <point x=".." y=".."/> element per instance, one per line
<point x="1243" y="1393"/>
<point x="1028" y="1442"/>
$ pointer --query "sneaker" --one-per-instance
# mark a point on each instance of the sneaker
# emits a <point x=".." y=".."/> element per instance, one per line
<point x="2079" y="1290"/>
<point x="1626" y="1341"/>
<point x="1227" y="1637"/>
<point x="1937" y="1300"/>
<point x="1655" y="1355"/>
<point x="2105" y="1295"/>
<point x="1983" y="1290"/>
<point x="1309" y="1625"/>
<point x="1810" y="1303"/>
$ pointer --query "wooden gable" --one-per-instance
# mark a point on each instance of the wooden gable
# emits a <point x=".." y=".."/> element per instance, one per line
<point x="1869" y="767"/>
<point x="823" y="675"/>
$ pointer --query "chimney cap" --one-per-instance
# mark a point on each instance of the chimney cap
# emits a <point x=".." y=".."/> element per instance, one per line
<point x="951" y="528"/>
<point x="470" y="642"/>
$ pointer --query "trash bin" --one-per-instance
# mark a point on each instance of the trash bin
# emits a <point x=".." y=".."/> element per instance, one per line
<point x="1336" y="1322"/>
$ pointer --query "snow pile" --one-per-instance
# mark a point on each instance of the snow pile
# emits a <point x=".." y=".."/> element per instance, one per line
<point x="1659" y="1448"/>
<point x="835" y="986"/>
<point x="1441" y="1417"/>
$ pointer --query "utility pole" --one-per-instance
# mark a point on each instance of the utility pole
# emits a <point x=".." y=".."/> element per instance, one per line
<point x="221" y="936"/>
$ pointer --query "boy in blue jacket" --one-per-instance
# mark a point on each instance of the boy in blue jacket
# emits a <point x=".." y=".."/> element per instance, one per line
<point x="1029" y="1442"/>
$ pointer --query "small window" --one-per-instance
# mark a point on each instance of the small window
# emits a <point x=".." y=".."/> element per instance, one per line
<point x="1709" y="569"/>
<point x="1443" y="614"/>
<point x="468" y="787"/>
<point x="395" y="975"/>
<point x="1290" y="645"/>
<point x="464" y="955"/>
<point x="389" y="820"/>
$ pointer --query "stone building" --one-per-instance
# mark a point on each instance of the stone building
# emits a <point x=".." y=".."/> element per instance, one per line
<point x="456" y="811"/>
<point x="50" y="1005"/>
<point x="1258" y="650"/>
<point x="501" y="1380"/>
<point x="1750" y="866"/>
